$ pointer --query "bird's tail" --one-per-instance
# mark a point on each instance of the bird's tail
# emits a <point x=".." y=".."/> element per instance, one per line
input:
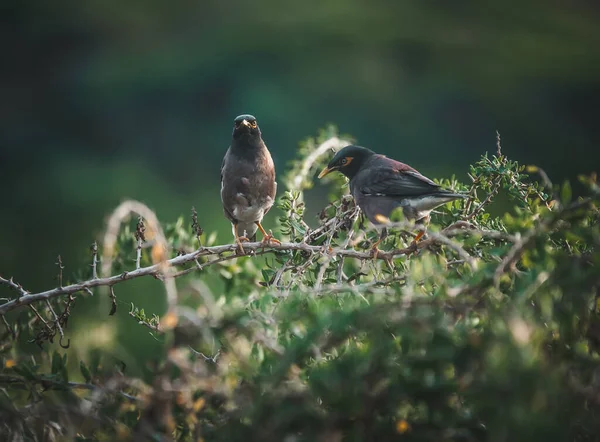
<point x="426" y="203"/>
<point x="452" y="195"/>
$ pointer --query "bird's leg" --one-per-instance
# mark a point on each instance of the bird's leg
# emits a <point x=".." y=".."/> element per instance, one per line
<point x="239" y="240"/>
<point x="412" y="248"/>
<point x="424" y="222"/>
<point x="374" y="249"/>
<point x="267" y="237"/>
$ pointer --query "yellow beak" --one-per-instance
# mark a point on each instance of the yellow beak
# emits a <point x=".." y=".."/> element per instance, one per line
<point x="326" y="171"/>
<point x="246" y="123"/>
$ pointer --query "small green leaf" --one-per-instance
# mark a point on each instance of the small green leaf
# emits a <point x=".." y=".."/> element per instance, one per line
<point x="297" y="226"/>
<point x="85" y="372"/>
<point x="113" y="308"/>
<point x="57" y="363"/>
<point x="566" y="192"/>
<point x="24" y="371"/>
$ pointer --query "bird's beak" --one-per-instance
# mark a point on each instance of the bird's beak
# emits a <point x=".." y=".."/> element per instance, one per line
<point x="246" y="123"/>
<point x="325" y="171"/>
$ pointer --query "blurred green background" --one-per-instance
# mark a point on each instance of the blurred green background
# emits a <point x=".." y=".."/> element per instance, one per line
<point x="102" y="101"/>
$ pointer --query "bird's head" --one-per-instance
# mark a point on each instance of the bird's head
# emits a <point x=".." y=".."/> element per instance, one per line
<point x="348" y="161"/>
<point x="245" y="126"/>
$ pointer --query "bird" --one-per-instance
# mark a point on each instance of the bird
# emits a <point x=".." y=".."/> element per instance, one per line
<point x="380" y="185"/>
<point x="248" y="185"/>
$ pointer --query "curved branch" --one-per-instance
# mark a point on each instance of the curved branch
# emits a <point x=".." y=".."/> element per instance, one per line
<point x="323" y="148"/>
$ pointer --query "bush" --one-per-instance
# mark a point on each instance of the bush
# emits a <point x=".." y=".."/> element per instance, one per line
<point x="489" y="331"/>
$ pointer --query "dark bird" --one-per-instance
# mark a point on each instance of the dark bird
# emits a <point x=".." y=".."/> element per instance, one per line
<point x="380" y="185"/>
<point x="248" y="185"/>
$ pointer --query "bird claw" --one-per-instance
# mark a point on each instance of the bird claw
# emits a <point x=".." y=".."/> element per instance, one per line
<point x="412" y="249"/>
<point x="326" y="249"/>
<point x="268" y="240"/>
<point x="375" y="249"/>
<point x="240" y="248"/>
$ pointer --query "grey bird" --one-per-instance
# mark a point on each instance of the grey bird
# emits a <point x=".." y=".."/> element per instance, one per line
<point x="380" y="185"/>
<point x="248" y="185"/>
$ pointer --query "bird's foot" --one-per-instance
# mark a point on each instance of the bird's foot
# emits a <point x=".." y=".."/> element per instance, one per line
<point x="326" y="249"/>
<point x="240" y="248"/>
<point x="268" y="239"/>
<point x="412" y="249"/>
<point x="374" y="252"/>
<point x="375" y="249"/>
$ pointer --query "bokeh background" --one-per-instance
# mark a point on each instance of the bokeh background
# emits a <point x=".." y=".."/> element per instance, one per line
<point x="102" y="101"/>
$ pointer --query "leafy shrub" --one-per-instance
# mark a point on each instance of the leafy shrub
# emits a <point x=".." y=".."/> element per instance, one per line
<point x="490" y="331"/>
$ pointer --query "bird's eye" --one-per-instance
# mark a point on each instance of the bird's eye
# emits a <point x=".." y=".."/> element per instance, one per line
<point x="253" y="124"/>
<point x="344" y="161"/>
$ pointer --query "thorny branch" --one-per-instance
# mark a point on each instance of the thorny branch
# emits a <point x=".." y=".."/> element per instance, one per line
<point x="13" y="285"/>
<point x="94" y="264"/>
<point x="140" y="236"/>
<point x="228" y="252"/>
<point x="61" y="267"/>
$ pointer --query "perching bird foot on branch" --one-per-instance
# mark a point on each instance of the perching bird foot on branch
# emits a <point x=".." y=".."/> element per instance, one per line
<point x="413" y="248"/>
<point x="240" y="247"/>
<point x="375" y="248"/>
<point x="268" y="238"/>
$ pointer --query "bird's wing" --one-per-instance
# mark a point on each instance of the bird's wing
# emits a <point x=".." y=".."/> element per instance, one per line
<point x="396" y="179"/>
<point x="225" y="192"/>
<point x="223" y="165"/>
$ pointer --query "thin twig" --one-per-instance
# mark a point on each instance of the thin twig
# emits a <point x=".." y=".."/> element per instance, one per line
<point x="59" y="263"/>
<point x="198" y="231"/>
<point x="94" y="263"/>
<point x="154" y="328"/>
<point x="487" y="200"/>
<point x="140" y="236"/>
<point x="113" y="300"/>
<point x="212" y="359"/>
<point x="498" y="145"/>
<point x="13" y="285"/>
<point x="8" y="327"/>
<point x="56" y="320"/>
<point x="40" y="317"/>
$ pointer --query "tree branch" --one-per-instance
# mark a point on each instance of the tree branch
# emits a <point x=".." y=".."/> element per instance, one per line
<point x="157" y="270"/>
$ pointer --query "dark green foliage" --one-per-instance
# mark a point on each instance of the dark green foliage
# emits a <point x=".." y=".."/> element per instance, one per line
<point x="490" y="332"/>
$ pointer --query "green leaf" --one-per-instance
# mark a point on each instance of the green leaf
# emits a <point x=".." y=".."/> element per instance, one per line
<point x="57" y="362"/>
<point x="25" y="371"/>
<point x="297" y="226"/>
<point x="566" y="193"/>
<point x="85" y="371"/>
<point x="64" y="373"/>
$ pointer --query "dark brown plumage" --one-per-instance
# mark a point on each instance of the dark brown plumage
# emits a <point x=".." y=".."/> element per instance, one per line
<point x="248" y="185"/>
